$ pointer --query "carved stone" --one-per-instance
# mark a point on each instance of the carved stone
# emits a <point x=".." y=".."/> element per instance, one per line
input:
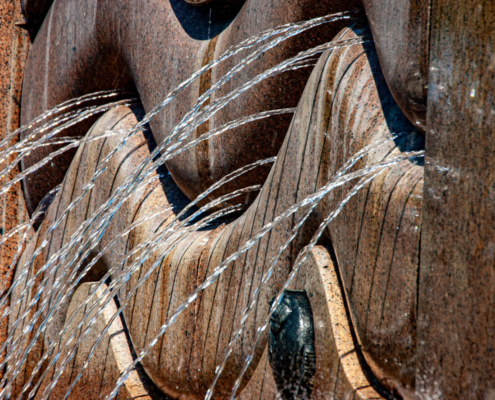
<point x="401" y="298"/>
<point x="91" y="59"/>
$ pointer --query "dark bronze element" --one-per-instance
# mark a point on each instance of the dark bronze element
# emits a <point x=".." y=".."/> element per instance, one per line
<point x="292" y="352"/>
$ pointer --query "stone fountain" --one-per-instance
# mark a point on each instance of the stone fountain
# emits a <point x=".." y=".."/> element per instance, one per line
<point x="395" y="299"/>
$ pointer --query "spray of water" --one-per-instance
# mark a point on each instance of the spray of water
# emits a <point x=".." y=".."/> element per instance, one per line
<point x="288" y="32"/>
<point x="274" y="70"/>
<point x="340" y="173"/>
<point x="88" y="235"/>
<point x="308" y="201"/>
<point x="49" y="114"/>
<point x="219" y="104"/>
<point x="85" y="115"/>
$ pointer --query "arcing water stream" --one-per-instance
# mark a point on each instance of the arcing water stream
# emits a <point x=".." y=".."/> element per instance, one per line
<point x="53" y="284"/>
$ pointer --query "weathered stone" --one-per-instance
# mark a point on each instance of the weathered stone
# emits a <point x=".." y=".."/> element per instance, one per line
<point x="112" y="355"/>
<point x="192" y="354"/>
<point x="14" y="46"/>
<point x="341" y="372"/>
<point x="34" y="12"/>
<point x="456" y="327"/>
<point x="376" y="235"/>
<point x="196" y="170"/>
<point x="374" y="337"/>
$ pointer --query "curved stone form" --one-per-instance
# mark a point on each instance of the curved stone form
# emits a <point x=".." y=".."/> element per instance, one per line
<point x="328" y="127"/>
<point x="399" y="325"/>
<point x="86" y="46"/>
<point x="112" y="356"/>
<point x="340" y="369"/>
<point x="376" y="237"/>
<point x="345" y="372"/>
<point x="340" y="364"/>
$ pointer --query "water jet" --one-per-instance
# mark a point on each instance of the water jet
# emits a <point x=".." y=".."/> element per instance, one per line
<point x="204" y="160"/>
